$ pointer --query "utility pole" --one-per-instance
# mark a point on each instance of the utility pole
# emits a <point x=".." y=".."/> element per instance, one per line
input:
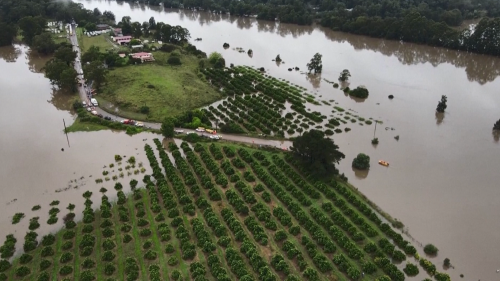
<point x="375" y="128"/>
<point x="66" y="132"/>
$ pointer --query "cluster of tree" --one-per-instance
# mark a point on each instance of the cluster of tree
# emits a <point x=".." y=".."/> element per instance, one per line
<point x="158" y="30"/>
<point x="60" y="69"/>
<point x="441" y="107"/>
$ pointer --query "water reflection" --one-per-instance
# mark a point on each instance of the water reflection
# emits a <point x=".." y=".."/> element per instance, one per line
<point x="36" y="61"/>
<point x="439" y="118"/>
<point x="10" y="53"/>
<point x="496" y="136"/>
<point x="360" y="174"/>
<point x="479" y="68"/>
<point x="314" y="79"/>
<point x="63" y="100"/>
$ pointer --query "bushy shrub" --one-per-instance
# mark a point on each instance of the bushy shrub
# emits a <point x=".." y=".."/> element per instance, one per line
<point x="22" y="271"/>
<point x="66" y="257"/>
<point x="361" y="162"/>
<point x="150" y="255"/>
<point x="65" y="270"/>
<point x="173" y="60"/>
<point x="67" y="245"/>
<point x="431" y="249"/>
<point x="173" y="261"/>
<point x="88" y="263"/>
<point x="127" y="238"/>
<point x="169" y="249"/>
<point x="108" y="256"/>
<point x="44" y="264"/>
<point x="87" y="275"/>
<point x="25" y="258"/>
<point x="47" y="251"/>
<point x="109" y="269"/>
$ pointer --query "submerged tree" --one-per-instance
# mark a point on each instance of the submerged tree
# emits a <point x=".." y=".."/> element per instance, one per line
<point x="442" y="104"/>
<point x="317" y="152"/>
<point x="344" y="75"/>
<point x="496" y="126"/>
<point x="278" y="58"/>
<point x="315" y="64"/>
<point x="361" y="162"/>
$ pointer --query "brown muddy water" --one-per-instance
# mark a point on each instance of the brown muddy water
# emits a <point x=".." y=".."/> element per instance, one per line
<point x="443" y="176"/>
<point x="33" y="169"/>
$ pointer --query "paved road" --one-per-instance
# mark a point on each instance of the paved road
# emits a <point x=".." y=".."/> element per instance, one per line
<point x="82" y="90"/>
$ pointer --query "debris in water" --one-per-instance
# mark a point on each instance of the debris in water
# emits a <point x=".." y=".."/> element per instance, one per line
<point x="62" y="149"/>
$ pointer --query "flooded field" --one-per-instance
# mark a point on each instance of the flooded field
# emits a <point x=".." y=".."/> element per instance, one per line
<point x="442" y="181"/>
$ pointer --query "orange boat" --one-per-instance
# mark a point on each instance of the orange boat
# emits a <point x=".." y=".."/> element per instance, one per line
<point x="383" y="163"/>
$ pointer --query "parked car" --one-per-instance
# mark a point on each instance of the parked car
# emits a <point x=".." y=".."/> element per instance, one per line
<point x="125" y="121"/>
<point x="200" y="129"/>
<point x="178" y="131"/>
<point x="84" y="103"/>
<point x="107" y="118"/>
<point x="100" y="115"/>
<point x="214" y="137"/>
<point x="94" y="102"/>
<point x="139" y="124"/>
<point x="94" y="112"/>
<point x="89" y="109"/>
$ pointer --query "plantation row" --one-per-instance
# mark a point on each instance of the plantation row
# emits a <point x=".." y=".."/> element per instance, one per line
<point x="261" y="111"/>
<point x="256" y="103"/>
<point x="334" y="192"/>
<point x="228" y="214"/>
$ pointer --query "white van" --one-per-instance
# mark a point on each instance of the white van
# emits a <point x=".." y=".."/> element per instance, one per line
<point x="94" y="102"/>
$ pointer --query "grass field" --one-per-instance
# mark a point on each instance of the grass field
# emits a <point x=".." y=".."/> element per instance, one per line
<point x="166" y="90"/>
<point x="223" y="212"/>
<point x="86" y="42"/>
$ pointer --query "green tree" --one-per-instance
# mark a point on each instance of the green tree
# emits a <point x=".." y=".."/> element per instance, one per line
<point x="30" y="27"/>
<point x="7" y="33"/>
<point x="167" y="128"/>
<point x="53" y="69"/>
<point x="317" y="152"/>
<point x="96" y="72"/>
<point x="359" y="92"/>
<point x="361" y="162"/>
<point x="90" y="26"/>
<point x="68" y="79"/>
<point x="315" y="64"/>
<point x="44" y="43"/>
<point x="92" y="54"/>
<point x="344" y="75"/>
<point x="430" y="249"/>
<point x="441" y="107"/>
<point x="65" y="54"/>
<point x="496" y="126"/>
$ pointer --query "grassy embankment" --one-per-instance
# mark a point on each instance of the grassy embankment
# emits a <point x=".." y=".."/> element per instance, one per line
<point x="79" y="126"/>
<point x="219" y="199"/>
<point x="167" y="90"/>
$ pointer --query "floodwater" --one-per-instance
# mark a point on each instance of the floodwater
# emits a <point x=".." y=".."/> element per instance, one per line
<point x="442" y="182"/>
<point x="33" y="169"/>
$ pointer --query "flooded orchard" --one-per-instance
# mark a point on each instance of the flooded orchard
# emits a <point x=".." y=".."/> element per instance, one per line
<point x="442" y="182"/>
